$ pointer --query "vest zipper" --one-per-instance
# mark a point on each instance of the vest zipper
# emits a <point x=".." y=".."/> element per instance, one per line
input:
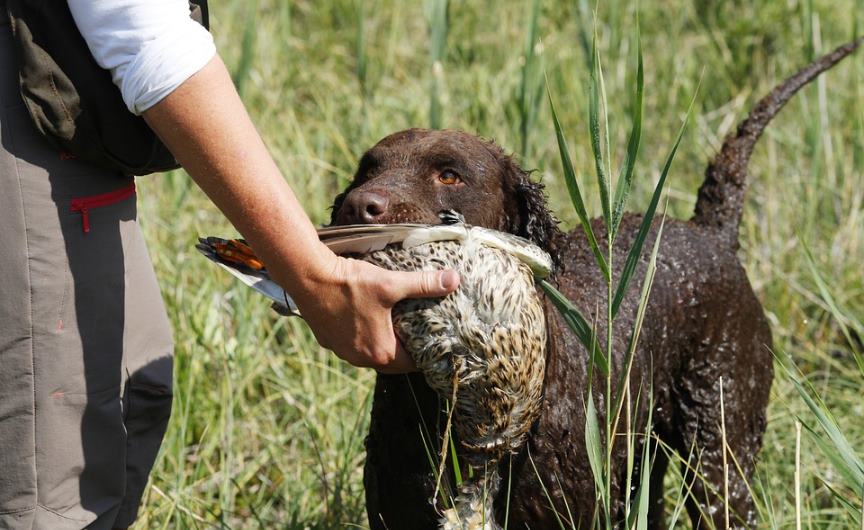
<point x="83" y="205"/>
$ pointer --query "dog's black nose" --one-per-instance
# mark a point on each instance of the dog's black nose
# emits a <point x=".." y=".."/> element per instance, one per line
<point x="364" y="207"/>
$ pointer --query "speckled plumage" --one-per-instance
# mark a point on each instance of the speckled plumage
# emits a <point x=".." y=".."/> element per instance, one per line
<point x="488" y="337"/>
<point x="489" y="340"/>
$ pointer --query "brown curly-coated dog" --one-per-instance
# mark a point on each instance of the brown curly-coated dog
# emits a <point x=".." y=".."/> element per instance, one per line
<point x="704" y="325"/>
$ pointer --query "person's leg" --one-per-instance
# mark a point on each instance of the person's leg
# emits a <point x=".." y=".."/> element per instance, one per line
<point x="147" y="372"/>
<point x="17" y="415"/>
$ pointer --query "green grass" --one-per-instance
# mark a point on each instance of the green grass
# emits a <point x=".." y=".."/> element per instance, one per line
<point x="268" y="428"/>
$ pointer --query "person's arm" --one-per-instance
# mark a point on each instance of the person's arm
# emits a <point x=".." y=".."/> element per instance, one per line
<point x="346" y="302"/>
<point x="152" y="48"/>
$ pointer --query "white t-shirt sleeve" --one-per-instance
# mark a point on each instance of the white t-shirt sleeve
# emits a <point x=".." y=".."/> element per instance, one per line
<point x="150" y="46"/>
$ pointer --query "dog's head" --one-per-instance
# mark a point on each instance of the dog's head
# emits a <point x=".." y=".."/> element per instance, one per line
<point x="412" y="175"/>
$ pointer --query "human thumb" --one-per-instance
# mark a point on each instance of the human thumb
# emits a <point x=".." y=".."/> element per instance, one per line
<point x="426" y="284"/>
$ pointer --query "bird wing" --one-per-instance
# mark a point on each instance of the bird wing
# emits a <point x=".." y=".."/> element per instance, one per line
<point x="363" y="239"/>
<point x="527" y="252"/>
<point x="239" y="259"/>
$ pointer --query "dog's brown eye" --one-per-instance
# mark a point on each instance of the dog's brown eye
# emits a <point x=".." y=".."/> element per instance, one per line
<point x="448" y="177"/>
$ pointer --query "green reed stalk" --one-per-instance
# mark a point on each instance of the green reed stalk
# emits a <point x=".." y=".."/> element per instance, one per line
<point x="612" y="208"/>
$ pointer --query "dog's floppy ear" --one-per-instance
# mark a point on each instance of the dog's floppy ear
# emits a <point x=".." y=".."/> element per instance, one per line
<point x="530" y="216"/>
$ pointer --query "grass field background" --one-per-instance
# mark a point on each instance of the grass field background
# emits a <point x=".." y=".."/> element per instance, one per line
<point x="268" y="428"/>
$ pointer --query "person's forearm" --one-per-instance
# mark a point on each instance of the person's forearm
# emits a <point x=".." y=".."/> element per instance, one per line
<point x="216" y="142"/>
<point x="347" y="303"/>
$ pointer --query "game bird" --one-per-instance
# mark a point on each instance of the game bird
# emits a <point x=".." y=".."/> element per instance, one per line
<point x="482" y="348"/>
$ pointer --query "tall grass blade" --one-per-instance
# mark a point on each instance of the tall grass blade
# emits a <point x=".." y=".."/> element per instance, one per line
<point x="625" y="179"/>
<point x="573" y="189"/>
<point x="809" y="17"/>
<point x="362" y="52"/>
<point x="643" y="498"/>
<point x="435" y="97"/>
<point x="426" y="439"/>
<point x="545" y="491"/>
<point x="797" y="475"/>
<point x="566" y="504"/>
<point x="247" y="48"/>
<point x="457" y="469"/>
<point x="582" y="14"/>
<point x="681" y="497"/>
<point x="850" y="464"/>
<point x="438" y="27"/>
<point x="594" y="448"/>
<point x="636" y="250"/>
<point x="583" y="330"/>
<point x="856" y="110"/>
<point x="594" y="130"/>
<point x="839" y="316"/>
<point x="530" y="88"/>
<point x="285" y="21"/>
<point x="835" y="460"/>
<point x="647" y="283"/>
<point x="855" y="511"/>
<point x="509" y="490"/>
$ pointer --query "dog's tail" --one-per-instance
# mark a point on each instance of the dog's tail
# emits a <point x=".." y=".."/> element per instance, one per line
<point x="721" y="196"/>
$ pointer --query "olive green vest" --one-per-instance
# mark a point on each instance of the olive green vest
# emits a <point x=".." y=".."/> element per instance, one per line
<point x="73" y="101"/>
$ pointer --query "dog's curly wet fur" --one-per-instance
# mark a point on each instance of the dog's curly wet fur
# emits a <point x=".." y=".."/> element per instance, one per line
<point x="705" y="333"/>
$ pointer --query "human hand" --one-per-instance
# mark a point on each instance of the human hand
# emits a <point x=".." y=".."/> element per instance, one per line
<point x="348" y="306"/>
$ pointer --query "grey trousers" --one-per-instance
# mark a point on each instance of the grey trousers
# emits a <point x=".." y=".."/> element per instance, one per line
<point x="85" y="344"/>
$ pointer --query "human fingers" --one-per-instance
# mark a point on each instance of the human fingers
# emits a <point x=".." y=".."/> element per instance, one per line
<point x="402" y="363"/>
<point x="424" y="284"/>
